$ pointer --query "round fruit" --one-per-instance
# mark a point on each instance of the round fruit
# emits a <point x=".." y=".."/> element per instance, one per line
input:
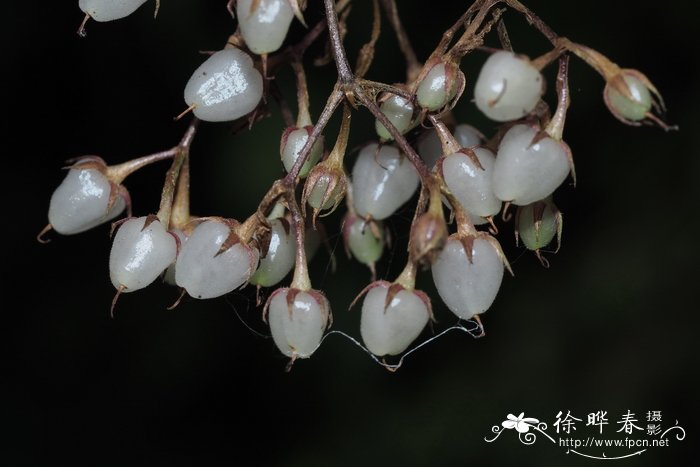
<point x="81" y="202"/>
<point x="399" y="111"/>
<point x="390" y="329"/>
<point x="264" y="23"/>
<point x="297" y="327"/>
<point x="472" y="185"/>
<point x="382" y="180"/>
<point x="225" y="87"/>
<point x="508" y="87"/>
<point x="141" y="251"/>
<point x="109" y="10"/>
<point x="525" y="172"/>
<point x="205" y="271"/>
<point x="468" y="286"/>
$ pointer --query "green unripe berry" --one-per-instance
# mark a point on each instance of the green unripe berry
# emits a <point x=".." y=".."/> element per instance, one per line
<point x="628" y="97"/>
<point x="538" y="223"/>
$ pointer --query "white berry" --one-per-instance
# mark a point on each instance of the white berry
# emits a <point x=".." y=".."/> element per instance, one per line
<point x="467" y="136"/>
<point x="390" y="330"/>
<point x="205" y="271"/>
<point x="140" y="253"/>
<point x="436" y="89"/>
<point x="468" y="287"/>
<point x="508" y="87"/>
<point x="297" y="327"/>
<point x="399" y="111"/>
<point x="264" y="23"/>
<point x="525" y="172"/>
<point x="109" y="10"/>
<point x="81" y="202"/>
<point x="225" y="87"/>
<point x="471" y="185"/>
<point x="293" y="143"/>
<point x="382" y="180"/>
<point x="279" y="259"/>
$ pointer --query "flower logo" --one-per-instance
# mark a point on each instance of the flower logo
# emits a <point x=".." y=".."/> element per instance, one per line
<point x="520" y="423"/>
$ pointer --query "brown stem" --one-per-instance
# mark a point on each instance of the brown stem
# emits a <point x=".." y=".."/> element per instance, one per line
<point x="300" y="280"/>
<point x="303" y="115"/>
<point x="503" y="36"/>
<point x="534" y="20"/>
<point x="180" y="215"/>
<point x="407" y="278"/>
<point x="472" y="37"/>
<point x="334" y="100"/>
<point x="599" y="62"/>
<point x="448" y="142"/>
<point x="117" y="173"/>
<point x="413" y="66"/>
<point x="464" y="223"/>
<point x="400" y="139"/>
<point x="341" y="61"/>
<point x="448" y="35"/>
<point x="366" y="54"/>
<point x="555" y="128"/>
<point x="166" y="198"/>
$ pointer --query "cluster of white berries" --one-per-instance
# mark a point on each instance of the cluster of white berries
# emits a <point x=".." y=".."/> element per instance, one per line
<point x="474" y="176"/>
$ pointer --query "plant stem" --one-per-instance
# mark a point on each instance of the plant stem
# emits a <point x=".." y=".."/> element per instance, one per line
<point x="555" y="128"/>
<point x="341" y="61"/>
<point x="180" y="215"/>
<point x="534" y="20"/>
<point x="334" y="100"/>
<point x="303" y="115"/>
<point x="400" y="139"/>
<point x="182" y="151"/>
<point x="300" y="280"/>
<point x="117" y="173"/>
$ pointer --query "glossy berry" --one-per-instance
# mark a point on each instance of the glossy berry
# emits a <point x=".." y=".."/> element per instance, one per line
<point x="82" y="201"/>
<point x="297" y="321"/>
<point x="628" y="96"/>
<point x="225" y="87"/>
<point x="399" y="111"/>
<point x="429" y="147"/>
<point x="208" y="266"/>
<point x="468" y="285"/>
<point x="467" y="136"/>
<point x="526" y="172"/>
<point x="382" y="180"/>
<point x="438" y="87"/>
<point x="141" y="251"/>
<point x="537" y="224"/>
<point x="264" y="23"/>
<point x="470" y="184"/>
<point x="293" y="141"/>
<point x="279" y="260"/>
<point x="324" y="188"/>
<point x="508" y="87"/>
<point x="109" y="10"/>
<point x="389" y="328"/>
<point x="363" y="239"/>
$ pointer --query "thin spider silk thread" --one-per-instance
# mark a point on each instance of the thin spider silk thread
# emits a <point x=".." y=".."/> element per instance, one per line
<point x="475" y="330"/>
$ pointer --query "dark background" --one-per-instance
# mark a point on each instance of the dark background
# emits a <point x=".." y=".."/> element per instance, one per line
<point x="611" y="326"/>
